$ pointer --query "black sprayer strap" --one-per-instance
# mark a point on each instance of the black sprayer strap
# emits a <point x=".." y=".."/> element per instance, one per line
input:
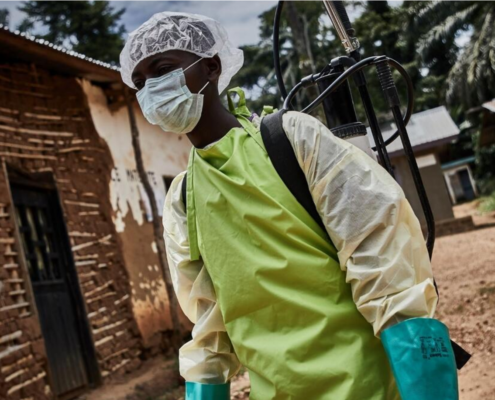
<point x="183" y="191"/>
<point x="284" y="160"/>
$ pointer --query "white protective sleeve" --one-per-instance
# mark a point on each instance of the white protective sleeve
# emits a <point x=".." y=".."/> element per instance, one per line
<point x="377" y="235"/>
<point x="209" y="357"/>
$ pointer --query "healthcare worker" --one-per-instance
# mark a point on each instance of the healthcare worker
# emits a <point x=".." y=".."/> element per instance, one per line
<point x="311" y="314"/>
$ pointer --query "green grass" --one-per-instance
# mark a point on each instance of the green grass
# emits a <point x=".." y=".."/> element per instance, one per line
<point x="487" y="203"/>
<point x="487" y="290"/>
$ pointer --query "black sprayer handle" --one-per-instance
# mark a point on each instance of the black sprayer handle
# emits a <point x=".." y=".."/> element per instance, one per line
<point x="340" y="8"/>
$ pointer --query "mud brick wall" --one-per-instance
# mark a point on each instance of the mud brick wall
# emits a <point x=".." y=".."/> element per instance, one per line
<point x="22" y="355"/>
<point x="45" y="126"/>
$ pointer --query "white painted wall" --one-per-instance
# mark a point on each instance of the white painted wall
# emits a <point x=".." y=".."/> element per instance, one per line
<point x="426" y="161"/>
<point x="164" y="154"/>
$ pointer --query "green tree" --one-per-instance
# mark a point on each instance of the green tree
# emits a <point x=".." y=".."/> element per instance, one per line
<point x="484" y="172"/>
<point x="394" y="31"/>
<point x="91" y="28"/>
<point x="4" y="17"/>
<point x="379" y="29"/>
<point x="305" y="46"/>
<point x="471" y="79"/>
<point x="308" y="42"/>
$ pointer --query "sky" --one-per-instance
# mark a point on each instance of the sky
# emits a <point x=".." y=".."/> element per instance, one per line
<point x="240" y="18"/>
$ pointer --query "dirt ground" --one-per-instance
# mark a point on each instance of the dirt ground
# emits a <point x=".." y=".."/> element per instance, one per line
<point x="464" y="266"/>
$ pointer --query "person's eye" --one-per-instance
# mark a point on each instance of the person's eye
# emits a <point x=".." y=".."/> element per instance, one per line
<point x="163" y="70"/>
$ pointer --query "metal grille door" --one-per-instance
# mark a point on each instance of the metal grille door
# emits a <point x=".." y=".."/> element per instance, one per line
<point x="39" y="218"/>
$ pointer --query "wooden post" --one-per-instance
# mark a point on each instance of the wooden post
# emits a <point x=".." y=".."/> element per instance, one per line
<point x="157" y="224"/>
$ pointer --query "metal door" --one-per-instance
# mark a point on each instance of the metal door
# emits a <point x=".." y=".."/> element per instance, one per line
<point x="39" y="219"/>
<point x="467" y="187"/>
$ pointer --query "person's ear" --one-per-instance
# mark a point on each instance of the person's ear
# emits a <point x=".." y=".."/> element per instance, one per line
<point x="213" y="68"/>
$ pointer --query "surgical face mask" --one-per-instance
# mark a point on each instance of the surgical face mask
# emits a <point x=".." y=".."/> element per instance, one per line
<point x="167" y="102"/>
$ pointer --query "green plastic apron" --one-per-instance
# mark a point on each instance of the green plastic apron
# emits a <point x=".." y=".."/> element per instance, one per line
<point x="286" y="306"/>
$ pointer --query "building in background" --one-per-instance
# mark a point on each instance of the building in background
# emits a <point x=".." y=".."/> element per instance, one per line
<point x="487" y="136"/>
<point x="460" y="180"/>
<point x="430" y="133"/>
<point x="82" y="297"/>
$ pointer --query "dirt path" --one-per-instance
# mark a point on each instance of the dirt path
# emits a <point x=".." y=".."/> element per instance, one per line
<point x="464" y="266"/>
<point x="156" y="376"/>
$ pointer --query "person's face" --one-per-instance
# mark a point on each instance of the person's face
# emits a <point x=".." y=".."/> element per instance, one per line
<point x="206" y="70"/>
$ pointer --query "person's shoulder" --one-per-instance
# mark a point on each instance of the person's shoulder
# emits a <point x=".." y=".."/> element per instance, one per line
<point x="176" y="183"/>
<point x="299" y="120"/>
<point x="304" y="126"/>
<point x="299" y="115"/>
<point x="309" y="136"/>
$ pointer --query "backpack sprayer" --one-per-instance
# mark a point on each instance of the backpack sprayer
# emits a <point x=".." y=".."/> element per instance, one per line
<point x="338" y="105"/>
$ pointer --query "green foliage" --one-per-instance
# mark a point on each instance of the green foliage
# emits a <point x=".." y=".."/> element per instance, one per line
<point x="421" y="35"/>
<point x="396" y="32"/>
<point x="484" y="172"/>
<point x="487" y="204"/>
<point x="469" y="73"/>
<point x="91" y="28"/>
<point x="471" y="79"/>
<point x="258" y="75"/>
<point x="381" y="29"/>
<point x="4" y="17"/>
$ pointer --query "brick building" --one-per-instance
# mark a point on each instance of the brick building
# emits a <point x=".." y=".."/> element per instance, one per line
<point x="81" y="295"/>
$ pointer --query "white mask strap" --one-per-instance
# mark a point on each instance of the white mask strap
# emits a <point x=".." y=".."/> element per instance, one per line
<point x="203" y="87"/>
<point x="194" y="63"/>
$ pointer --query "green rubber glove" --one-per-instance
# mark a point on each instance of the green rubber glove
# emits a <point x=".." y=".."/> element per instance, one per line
<point x="204" y="391"/>
<point x="422" y="359"/>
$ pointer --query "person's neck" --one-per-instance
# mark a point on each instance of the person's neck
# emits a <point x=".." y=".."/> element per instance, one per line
<point x="214" y="124"/>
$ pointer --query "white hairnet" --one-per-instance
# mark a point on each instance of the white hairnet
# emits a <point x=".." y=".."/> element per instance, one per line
<point x="194" y="33"/>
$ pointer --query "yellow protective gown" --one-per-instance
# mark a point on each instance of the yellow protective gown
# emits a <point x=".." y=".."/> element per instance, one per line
<point x="378" y="239"/>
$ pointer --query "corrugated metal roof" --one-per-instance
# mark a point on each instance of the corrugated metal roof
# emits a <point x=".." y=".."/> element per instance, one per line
<point x="490" y="106"/>
<point x="425" y="127"/>
<point x="61" y="49"/>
